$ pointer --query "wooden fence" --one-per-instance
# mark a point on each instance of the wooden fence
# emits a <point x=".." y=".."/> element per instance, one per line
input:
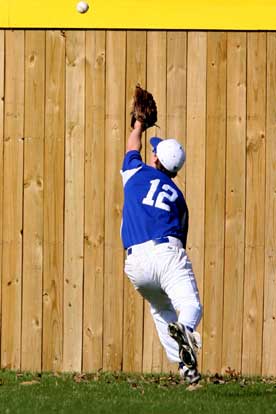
<point x="64" y="119"/>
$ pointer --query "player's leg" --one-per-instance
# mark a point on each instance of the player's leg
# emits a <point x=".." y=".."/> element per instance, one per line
<point x="163" y="314"/>
<point x="141" y="272"/>
<point x="180" y="285"/>
<point x="146" y="274"/>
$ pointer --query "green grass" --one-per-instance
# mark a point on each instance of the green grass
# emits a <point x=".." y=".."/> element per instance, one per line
<point x="122" y="393"/>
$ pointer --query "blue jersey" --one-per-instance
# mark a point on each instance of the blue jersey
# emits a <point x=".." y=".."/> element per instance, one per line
<point x="154" y="206"/>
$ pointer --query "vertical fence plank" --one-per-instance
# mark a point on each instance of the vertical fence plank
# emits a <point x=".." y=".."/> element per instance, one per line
<point x="114" y="152"/>
<point x="269" y="337"/>
<point x="156" y="84"/>
<point x="157" y="79"/>
<point x="215" y="200"/>
<point x="74" y="200"/>
<point x="2" y="86"/>
<point x="94" y="201"/>
<point x="53" y="202"/>
<point x="235" y="201"/>
<point x="133" y="302"/>
<point x="196" y="150"/>
<point x="255" y="204"/>
<point x="177" y="92"/>
<point x="33" y="200"/>
<point x="13" y="200"/>
<point x="176" y="110"/>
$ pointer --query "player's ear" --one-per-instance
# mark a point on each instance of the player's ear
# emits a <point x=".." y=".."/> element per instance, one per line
<point x="157" y="162"/>
<point x="153" y="160"/>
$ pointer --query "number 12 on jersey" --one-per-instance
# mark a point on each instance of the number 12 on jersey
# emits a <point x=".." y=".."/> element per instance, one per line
<point x="157" y="198"/>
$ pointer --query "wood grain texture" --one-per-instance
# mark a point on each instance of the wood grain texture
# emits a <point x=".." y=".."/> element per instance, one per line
<point x="74" y="200"/>
<point x="176" y="99"/>
<point x="53" y="202"/>
<point x="64" y="121"/>
<point x="133" y="302"/>
<point x="269" y="339"/>
<point x="94" y="201"/>
<point x="235" y="201"/>
<point x="13" y="200"/>
<point x="215" y="200"/>
<point x="196" y="154"/>
<point x="2" y="86"/>
<point x="33" y="200"/>
<point x="114" y="152"/>
<point x="255" y="204"/>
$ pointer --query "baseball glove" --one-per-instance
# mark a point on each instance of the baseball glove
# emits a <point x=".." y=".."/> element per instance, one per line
<point x="144" y="108"/>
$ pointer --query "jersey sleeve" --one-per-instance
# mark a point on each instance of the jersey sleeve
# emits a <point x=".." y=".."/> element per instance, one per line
<point x="132" y="160"/>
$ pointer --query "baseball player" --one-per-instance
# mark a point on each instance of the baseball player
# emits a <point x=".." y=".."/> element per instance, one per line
<point x="154" y="233"/>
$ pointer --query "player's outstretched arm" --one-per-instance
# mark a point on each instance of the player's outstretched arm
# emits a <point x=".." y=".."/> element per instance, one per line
<point x="143" y="116"/>
<point x="134" y="141"/>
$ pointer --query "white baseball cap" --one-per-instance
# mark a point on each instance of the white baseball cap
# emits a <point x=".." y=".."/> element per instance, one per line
<point x="169" y="152"/>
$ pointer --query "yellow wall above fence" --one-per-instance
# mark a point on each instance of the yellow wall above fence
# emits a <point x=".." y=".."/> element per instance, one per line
<point x="139" y="14"/>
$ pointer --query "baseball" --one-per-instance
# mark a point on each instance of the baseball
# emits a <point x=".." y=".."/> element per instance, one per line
<point x="82" y="7"/>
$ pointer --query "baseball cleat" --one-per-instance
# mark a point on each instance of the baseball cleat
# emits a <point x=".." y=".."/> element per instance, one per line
<point x="186" y="343"/>
<point x="192" y="376"/>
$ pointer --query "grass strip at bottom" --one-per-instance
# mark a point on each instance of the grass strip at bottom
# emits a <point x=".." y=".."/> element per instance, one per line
<point x="106" y="392"/>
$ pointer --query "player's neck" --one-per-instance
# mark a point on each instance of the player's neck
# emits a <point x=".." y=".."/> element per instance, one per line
<point x="160" y="167"/>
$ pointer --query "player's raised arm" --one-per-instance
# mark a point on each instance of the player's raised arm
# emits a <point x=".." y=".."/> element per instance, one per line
<point x="135" y="138"/>
<point x="143" y="116"/>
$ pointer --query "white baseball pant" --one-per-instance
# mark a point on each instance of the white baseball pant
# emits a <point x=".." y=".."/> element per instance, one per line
<point x="163" y="275"/>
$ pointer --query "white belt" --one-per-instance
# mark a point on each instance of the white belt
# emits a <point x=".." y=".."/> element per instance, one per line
<point x="136" y="248"/>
